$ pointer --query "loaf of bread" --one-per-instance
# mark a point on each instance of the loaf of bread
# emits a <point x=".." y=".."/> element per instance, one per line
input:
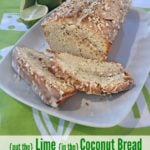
<point x="90" y="76"/>
<point x="85" y="28"/>
<point x="33" y="67"/>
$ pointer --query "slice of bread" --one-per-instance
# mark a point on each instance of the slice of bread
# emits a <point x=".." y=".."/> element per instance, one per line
<point x="33" y="67"/>
<point x="85" y="28"/>
<point x="90" y="76"/>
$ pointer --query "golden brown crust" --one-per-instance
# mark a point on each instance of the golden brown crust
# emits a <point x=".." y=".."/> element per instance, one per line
<point x="127" y="84"/>
<point x="50" y="94"/>
<point x="102" y="16"/>
<point x="87" y="87"/>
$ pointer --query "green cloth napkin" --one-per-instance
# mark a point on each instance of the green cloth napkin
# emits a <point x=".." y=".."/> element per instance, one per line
<point x="19" y="119"/>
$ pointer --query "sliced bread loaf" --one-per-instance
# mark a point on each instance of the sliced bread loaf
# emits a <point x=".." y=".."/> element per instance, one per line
<point x="90" y="76"/>
<point x="33" y="67"/>
<point x="85" y="28"/>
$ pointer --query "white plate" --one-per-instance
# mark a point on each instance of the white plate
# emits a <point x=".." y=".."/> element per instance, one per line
<point x="131" y="49"/>
<point x="141" y="3"/>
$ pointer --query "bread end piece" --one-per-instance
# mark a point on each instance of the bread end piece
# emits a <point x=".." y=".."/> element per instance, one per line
<point x="32" y="66"/>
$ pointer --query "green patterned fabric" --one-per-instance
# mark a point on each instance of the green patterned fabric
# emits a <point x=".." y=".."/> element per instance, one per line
<point x="19" y="119"/>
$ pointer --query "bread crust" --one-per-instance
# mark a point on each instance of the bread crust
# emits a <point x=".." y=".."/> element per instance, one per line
<point x="87" y="87"/>
<point x="103" y="17"/>
<point x="49" y="93"/>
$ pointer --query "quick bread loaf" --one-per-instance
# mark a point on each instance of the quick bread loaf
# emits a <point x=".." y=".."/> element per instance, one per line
<point x="80" y="34"/>
<point x="33" y="67"/>
<point x="85" y="28"/>
<point x="90" y="76"/>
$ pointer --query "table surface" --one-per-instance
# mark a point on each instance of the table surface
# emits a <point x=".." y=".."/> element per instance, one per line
<point x="19" y="119"/>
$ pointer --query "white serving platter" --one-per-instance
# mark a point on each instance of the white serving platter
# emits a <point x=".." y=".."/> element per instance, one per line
<point x="131" y="48"/>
